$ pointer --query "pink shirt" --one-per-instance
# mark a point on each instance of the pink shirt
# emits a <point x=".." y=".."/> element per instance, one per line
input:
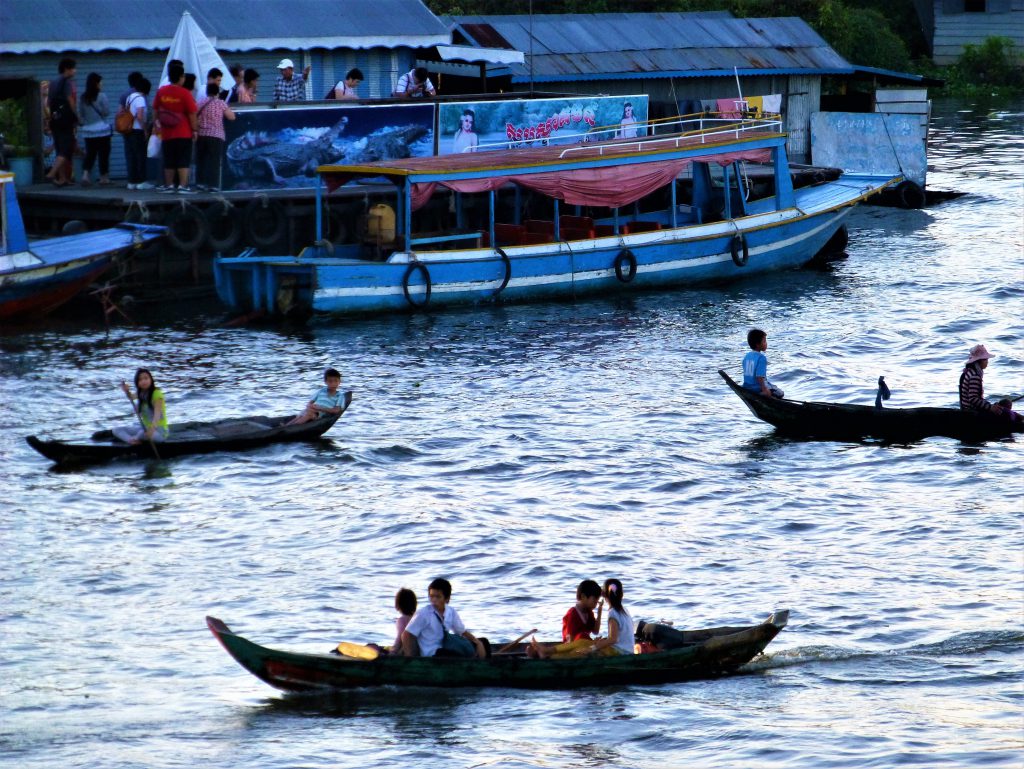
<point x="211" y="117"/>
<point x="400" y="625"/>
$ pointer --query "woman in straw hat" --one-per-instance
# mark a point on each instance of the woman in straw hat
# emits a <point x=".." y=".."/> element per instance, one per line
<point x="972" y="394"/>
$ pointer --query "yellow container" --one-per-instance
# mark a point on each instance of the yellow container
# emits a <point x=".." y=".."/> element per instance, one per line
<point x="380" y="224"/>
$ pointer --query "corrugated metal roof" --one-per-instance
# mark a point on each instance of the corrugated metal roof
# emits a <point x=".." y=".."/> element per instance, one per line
<point x="603" y="45"/>
<point x="32" y="26"/>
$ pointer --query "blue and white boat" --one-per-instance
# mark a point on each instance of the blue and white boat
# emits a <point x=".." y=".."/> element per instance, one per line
<point x="613" y="220"/>
<point x="38" y="276"/>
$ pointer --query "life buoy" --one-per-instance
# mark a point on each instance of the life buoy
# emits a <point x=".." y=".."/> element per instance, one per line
<point x="224" y="227"/>
<point x="265" y="222"/>
<point x="911" y="195"/>
<point x="508" y="271"/>
<point x="416" y="267"/>
<point x="625" y="257"/>
<point x="739" y="250"/>
<point x="186" y="228"/>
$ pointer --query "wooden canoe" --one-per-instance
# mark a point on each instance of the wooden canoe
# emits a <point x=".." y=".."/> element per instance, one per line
<point x="705" y="654"/>
<point x="236" y="434"/>
<point x="839" y="421"/>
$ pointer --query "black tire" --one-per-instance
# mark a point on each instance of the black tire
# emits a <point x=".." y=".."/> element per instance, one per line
<point x="186" y="228"/>
<point x="338" y="224"/>
<point x="739" y="250"/>
<point x="911" y="195"/>
<point x="265" y="222"/>
<point x="224" y="227"/>
<point x="508" y="271"/>
<point x="74" y="227"/>
<point x="625" y="257"/>
<point x="422" y="268"/>
<point x="838" y="242"/>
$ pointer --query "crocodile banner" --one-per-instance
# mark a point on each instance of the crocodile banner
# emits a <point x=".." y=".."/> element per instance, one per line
<point x="483" y="125"/>
<point x="275" y="148"/>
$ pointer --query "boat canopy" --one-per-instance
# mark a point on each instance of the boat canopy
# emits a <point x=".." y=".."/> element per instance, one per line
<point x="611" y="174"/>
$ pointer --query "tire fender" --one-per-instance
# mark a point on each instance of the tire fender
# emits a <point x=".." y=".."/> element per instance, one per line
<point x="625" y="258"/>
<point x="738" y="249"/>
<point x="224" y="225"/>
<point x="186" y="228"/>
<point x="911" y="195"/>
<point x="265" y="222"/>
<point x="508" y="272"/>
<point x="422" y="269"/>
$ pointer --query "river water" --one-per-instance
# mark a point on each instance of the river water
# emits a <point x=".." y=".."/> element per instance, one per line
<point x="517" y="450"/>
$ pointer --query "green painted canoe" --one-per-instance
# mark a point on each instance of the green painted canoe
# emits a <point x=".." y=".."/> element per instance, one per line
<point x="706" y="654"/>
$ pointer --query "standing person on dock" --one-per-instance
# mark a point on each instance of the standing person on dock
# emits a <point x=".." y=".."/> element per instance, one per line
<point x="94" y="115"/>
<point x="210" y="144"/>
<point x="175" y="111"/>
<point x="289" y="86"/>
<point x="135" y="142"/>
<point x="346" y="89"/>
<point x="755" y="366"/>
<point x="237" y="71"/>
<point x="972" y="389"/>
<point x="250" y="83"/>
<point x="414" y="84"/>
<point x="62" y="103"/>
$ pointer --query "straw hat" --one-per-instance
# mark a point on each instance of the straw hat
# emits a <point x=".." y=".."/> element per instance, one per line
<point x="285" y="64"/>
<point x="978" y="352"/>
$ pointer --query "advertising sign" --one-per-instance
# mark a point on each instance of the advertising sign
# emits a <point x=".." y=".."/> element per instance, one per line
<point x="274" y="148"/>
<point x="489" y="125"/>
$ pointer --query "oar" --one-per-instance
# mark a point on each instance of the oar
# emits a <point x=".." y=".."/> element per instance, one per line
<point x="508" y="646"/>
<point x="138" y="416"/>
<point x="1014" y="400"/>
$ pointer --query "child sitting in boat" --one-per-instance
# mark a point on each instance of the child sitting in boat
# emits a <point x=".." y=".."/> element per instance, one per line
<point x="326" y="400"/>
<point x="405" y="605"/>
<point x="620" y="629"/>
<point x="1008" y="412"/>
<point x="755" y="366"/>
<point x="437" y="630"/>
<point x="151" y="411"/>
<point x="577" y="625"/>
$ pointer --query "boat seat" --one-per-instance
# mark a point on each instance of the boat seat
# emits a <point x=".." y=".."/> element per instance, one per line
<point x="508" y="234"/>
<point x="576" y="233"/>
<point x="577" y="222"/>
<point x="542" y="226"/>
<point x="535" y="238"/>
<point x="631" y="227"/>
<point x="603" y="230"/>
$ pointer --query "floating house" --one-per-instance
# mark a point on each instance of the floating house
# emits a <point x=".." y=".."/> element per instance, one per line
<point x="949" y="25"/>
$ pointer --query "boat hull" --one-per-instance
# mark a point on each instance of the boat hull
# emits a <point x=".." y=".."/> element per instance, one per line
<point x="562" y="270"/>
<point x="837" y="421"/>
<point x="41" y="291"/>
<point x="719" y="651"/>
<point x="242" y="434"/>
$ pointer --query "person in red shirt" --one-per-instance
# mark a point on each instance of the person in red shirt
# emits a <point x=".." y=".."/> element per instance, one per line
<point x="175" y="111"/>
<point x="577" y="625"/>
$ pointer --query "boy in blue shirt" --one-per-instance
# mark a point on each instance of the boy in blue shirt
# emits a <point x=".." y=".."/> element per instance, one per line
<point x="755" y="366"/>
<point x="326" y="400"/>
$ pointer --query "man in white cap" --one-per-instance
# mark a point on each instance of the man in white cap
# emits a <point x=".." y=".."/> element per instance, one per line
<point x="972" y="394"/>
<point x="289" y="86"/>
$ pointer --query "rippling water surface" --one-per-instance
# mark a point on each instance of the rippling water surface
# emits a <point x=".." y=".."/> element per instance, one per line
<point x="517" y="450"/>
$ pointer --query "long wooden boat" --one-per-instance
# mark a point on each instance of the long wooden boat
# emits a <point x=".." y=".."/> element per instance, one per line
<point x="236" y="434"/>
<point x="839" y="421"/>
<point x="705" y="654"/>
<point x="608" y="217"/>
<point x="38" y="276"/>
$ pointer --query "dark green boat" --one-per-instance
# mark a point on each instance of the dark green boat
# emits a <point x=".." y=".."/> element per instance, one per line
<point x="704" y="654"/>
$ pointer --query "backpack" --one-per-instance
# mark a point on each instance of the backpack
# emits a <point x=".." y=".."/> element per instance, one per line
<point x="124" y="121"/>
<point x="61" y="114"/>
<point x="332" y="94"/>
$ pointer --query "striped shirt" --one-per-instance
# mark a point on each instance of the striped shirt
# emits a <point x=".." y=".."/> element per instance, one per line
<point x="972" y="395"/>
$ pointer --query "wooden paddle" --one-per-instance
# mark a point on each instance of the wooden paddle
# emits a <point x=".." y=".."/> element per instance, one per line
<point x="138" y="416"/>
<point x="508" y="646"/>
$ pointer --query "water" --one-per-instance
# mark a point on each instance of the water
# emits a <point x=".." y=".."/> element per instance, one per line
<point x="518" y="450"/>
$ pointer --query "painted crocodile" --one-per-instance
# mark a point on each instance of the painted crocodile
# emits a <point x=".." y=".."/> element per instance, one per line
<point x="386" y="144"/>
<point x="259" y="155"/>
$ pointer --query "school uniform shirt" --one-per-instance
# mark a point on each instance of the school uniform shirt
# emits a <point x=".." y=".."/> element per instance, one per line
<point x="429" y="630"/>
<point x="625" y="623"/>
<point x="576" y="625"/>
<point x="755" y="364"/>
<point x="325" y="400"/>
